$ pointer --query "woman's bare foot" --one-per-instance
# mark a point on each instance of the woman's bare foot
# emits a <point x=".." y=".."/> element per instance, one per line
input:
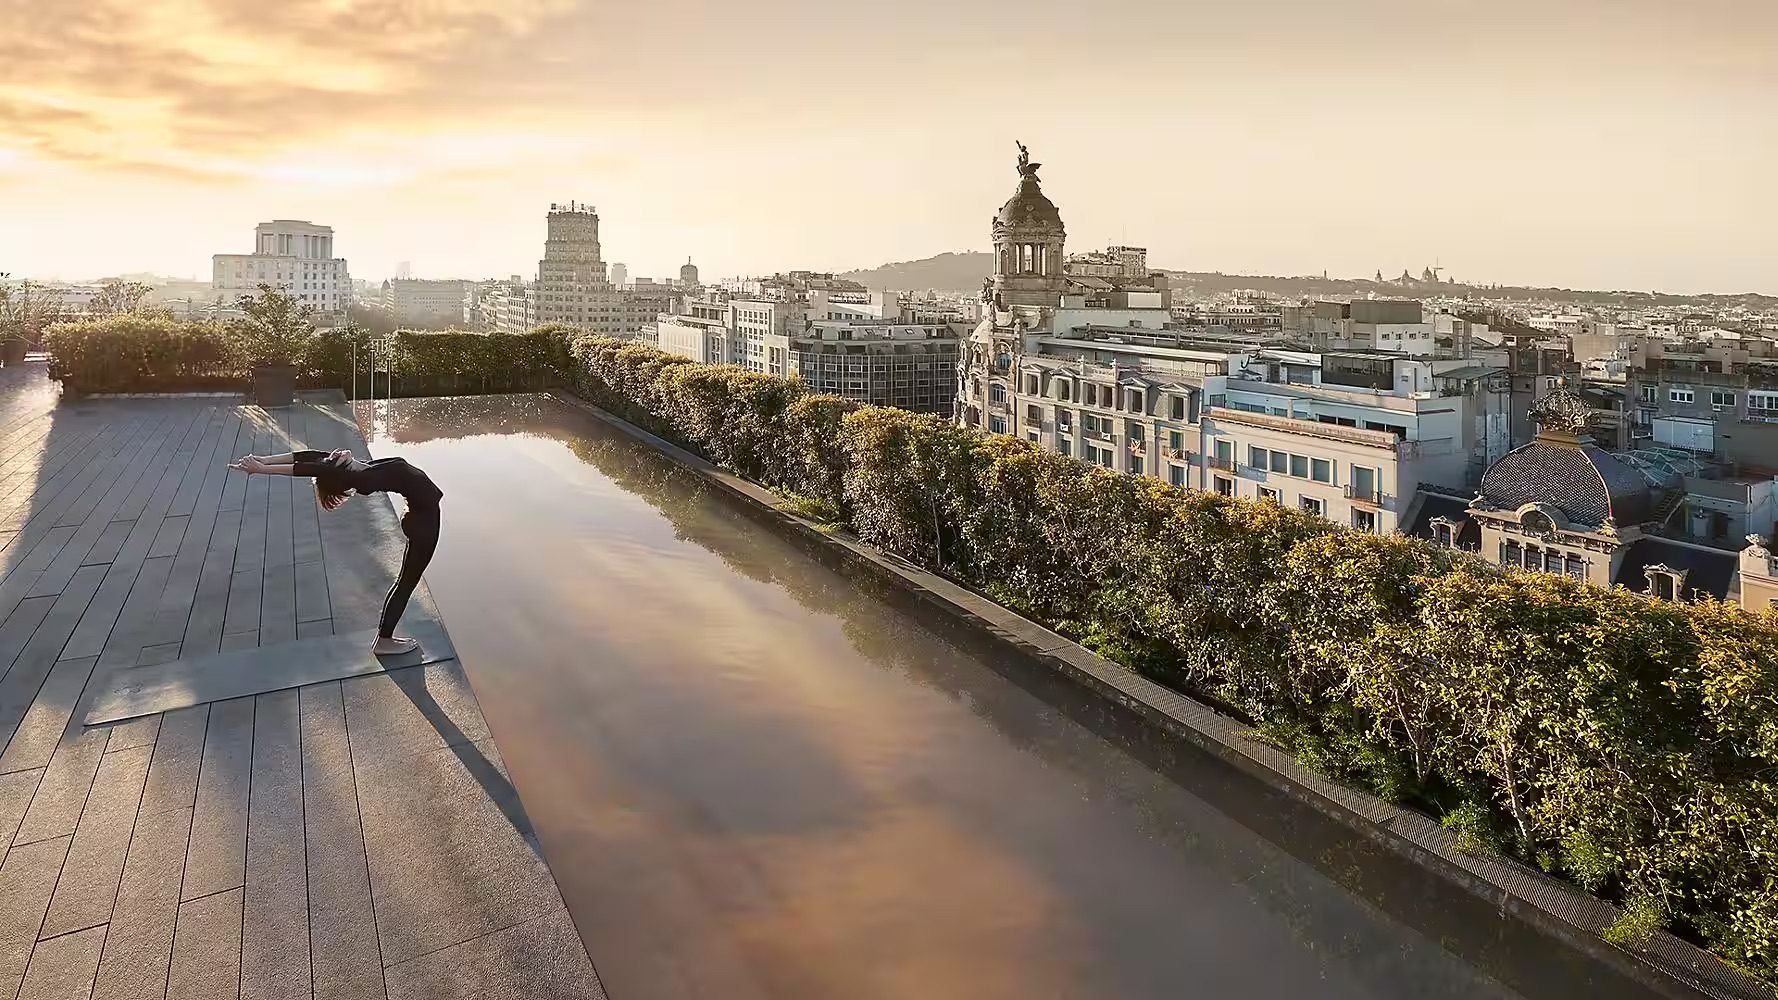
<point x="389" y="645"/>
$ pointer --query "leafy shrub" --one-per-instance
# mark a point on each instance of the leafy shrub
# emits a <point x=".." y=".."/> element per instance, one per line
<point x="133" y="352"/>
<point x="1628" y="743"/>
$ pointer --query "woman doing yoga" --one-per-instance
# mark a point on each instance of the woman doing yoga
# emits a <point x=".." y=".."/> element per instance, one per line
<point x="337" y="476"/>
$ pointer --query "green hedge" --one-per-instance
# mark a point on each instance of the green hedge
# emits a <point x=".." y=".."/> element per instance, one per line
<point x="133" y="353"/>
<point x="1628" y="745"/>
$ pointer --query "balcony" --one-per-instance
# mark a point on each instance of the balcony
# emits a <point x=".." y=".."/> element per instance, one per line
<point x="1370" y="497"/>
<point x="1226" y="464"/>
<point x="1175" y="453"/>
<point x="1138" y="447"/>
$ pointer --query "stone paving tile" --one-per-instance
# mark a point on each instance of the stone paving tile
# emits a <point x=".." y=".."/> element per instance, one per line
<point x="110" y="540"/>
<point x="405" y="712"/>
<point x="218" y="853"/>
<point x="88" y="885"/>
<point x="139" y="945"/>
<point x="447" y="857"/>
<point x="20" y="688"/>
<point x="165" y="652"/>
<point x="62" y="968"/>
<point x="27" y="880"/>
<point x="538" y="958"/>
<point x="239" y="640"/>
<point x="55" y="809"/>
<point x="134" y="733"/>
<point x="34" y="742"/>
<point x="275" y="916"/>
<point x="311" y="592"/>
<point x="169" y="536"/>
<point x="347" y="965"/>
<point x="16" y="790"/>
<point x="206" y="961"/>
<point x="314" y="629"/>
<point x="178" y="756"/>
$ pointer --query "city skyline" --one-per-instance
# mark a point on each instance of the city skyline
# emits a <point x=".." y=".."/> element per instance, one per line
<point x="1598" y="146"/>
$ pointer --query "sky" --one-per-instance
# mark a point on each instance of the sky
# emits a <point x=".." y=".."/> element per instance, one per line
<point x="1580" y="143"/>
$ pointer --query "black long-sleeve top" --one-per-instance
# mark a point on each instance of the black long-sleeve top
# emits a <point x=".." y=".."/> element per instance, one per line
<point x="383" y="475"/>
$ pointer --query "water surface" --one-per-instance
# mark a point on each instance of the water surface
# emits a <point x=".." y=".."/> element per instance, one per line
<point x="755" y="779"/>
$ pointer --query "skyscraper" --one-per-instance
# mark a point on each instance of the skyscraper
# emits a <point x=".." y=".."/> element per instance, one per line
<point x="572" y="287"/>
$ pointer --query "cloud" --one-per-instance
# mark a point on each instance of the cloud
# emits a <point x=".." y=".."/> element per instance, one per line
<point x="216" y="86"/>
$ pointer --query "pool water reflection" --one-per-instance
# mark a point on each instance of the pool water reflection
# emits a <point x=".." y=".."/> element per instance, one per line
<point x="754" y="778"/>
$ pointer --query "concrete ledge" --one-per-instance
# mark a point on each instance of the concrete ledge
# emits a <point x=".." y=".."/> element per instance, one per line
<point x="1667" y="966"/>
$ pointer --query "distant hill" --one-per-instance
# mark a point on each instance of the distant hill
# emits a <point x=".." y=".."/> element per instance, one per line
<point x="948" y="272"/>
<point x="963" y="272"/>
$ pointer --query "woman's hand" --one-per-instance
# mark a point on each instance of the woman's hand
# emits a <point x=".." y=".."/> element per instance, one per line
<point x="248" y="464"/>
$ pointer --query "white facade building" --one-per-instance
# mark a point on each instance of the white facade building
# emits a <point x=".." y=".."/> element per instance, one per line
<point x="289" y="254"/>
<point x="425" y="303"/>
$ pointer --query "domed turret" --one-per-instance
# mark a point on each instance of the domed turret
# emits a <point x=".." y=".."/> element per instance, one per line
<point x="1563" y="469"/>
<point x="1028" y="239"/>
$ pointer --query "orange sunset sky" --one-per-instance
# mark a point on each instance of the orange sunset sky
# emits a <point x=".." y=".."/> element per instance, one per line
<point x="1573" y="142"/>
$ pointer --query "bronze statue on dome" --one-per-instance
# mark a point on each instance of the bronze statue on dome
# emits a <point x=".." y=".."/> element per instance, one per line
<point x="1026" y="167"/>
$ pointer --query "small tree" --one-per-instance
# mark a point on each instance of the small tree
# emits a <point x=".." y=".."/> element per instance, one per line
<point x="277" y="329"/>
<point x="117" y="297"/>
<point x="26" y="309"/>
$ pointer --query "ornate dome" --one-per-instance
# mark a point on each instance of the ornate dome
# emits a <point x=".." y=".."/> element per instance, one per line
<point x="1028" y="206"/>
<point x="1586" y="483"/>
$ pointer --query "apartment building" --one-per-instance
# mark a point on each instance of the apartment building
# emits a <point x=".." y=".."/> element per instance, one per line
<point x="1105" y="375"/>
<point x="426" y="304"/>
<point x="290" y="254"/>
<point x="1719" y="400"/>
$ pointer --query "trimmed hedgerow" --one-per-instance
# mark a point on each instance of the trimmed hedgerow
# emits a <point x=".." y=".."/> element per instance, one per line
<point x="1627" y="744"/>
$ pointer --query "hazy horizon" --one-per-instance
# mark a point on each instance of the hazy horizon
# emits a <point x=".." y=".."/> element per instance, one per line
<point x="1600" y="145"/>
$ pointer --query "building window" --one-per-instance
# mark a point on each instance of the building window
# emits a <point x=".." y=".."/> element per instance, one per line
<point x="1267" y="494"/>
<point x="1031" y="436"/>
<point x="1321" y="470"/>
<point x="1064" y="420"/>
<point x="1443" y="534"/>
<point x="1063" y="390"/>
<point x="1136" y="465"/>
<point x="1665" y="582"/>
<point x="1064" y="447"/>
<point x="1364" y="520"/>
<point x="1575" y="567"/>
<point x="1511" y="554"/>
<point x="1256" y="457"/>
<point x="997" y="425"/>
<point x="1034" y="414"/>
<point x="1176" y="475"/>
<point x="1280" y="462"/>
<point x="1135" y="401"/>
<point x="1722" y="397"/>
<point x="1311" y="505"/>
<point x="1030" y="385"/>
<point x="1178" y="408"/>
<point x="1552" y="561"/>
<point x="996" y="394"/>
<point x="1679" y="395"/>
<point x="1225" y="487"/>
<point x="1299" y="466"/>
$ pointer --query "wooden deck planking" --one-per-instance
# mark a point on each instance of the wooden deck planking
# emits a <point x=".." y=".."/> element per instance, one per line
<point x="219" y="847"/>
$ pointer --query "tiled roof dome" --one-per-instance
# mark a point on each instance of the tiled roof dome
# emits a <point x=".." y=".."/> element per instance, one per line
<point x="1586" y="482"/>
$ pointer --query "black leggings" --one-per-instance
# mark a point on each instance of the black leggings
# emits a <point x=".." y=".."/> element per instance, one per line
<point x="420" y="525"/>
